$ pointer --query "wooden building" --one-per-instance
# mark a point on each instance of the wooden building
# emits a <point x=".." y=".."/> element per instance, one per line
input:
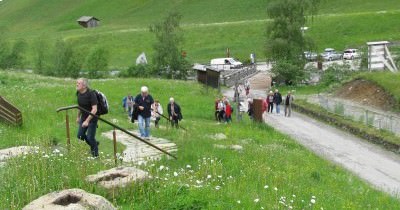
<point x="208" y="75"/>
<point x="88" y="21"/>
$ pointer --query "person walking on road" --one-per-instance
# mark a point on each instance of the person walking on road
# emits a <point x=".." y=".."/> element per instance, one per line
<point x="277" y="101"/>
<point x="144" y="101"/>
<point x="288" y="104"/>
<point x="87" y="123"/>
<point x="270" y="100"/>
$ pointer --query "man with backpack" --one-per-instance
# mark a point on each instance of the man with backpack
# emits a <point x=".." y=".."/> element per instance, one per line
<point x="143" y="101"/>
<point x="87" y="99"/>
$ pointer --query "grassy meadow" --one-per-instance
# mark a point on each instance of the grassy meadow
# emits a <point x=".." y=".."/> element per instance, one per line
<point x="271" y="172"/>
<point x="209" y="26"/>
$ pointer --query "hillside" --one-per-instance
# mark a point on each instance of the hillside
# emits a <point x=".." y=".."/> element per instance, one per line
<point x="270" y="172"/>
<point x="210" y="26"/>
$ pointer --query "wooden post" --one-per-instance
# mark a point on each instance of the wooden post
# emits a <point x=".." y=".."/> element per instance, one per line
<point x="67" y="127"/>
<point x="115" y="146"/>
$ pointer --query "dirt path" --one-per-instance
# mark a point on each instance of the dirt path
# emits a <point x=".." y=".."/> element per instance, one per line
<point x="370" y="162"/>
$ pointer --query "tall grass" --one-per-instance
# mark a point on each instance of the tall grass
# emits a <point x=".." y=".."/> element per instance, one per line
<point x="271" y="172"/>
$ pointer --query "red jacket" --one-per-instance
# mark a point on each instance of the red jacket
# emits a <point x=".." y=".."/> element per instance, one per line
<point x="228" y="110"/>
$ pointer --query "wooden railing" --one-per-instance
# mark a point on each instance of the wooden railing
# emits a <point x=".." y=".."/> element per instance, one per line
<point x="109" y="123"/>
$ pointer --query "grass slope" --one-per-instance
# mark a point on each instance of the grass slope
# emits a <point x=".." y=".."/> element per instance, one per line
<point x="124" y="25"/>
<point x="272" y="172"/>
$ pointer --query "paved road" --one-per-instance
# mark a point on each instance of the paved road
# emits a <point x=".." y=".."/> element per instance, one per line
<point x="370" y="162"/>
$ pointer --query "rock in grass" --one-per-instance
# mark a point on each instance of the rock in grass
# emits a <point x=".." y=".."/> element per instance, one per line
<point x="15" y="151"/>
<point x="219" y="136"/>
<point x="233" y="147"/>
<point x="76" y="199"/>
<point x="118" y="177"/>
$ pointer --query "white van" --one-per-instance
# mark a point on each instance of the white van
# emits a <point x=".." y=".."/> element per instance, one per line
<point x="225" y="63"/>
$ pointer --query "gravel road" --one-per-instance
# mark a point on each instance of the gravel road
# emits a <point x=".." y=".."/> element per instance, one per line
<point x="370" y="162"/>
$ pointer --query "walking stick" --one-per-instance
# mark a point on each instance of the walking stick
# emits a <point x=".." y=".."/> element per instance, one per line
<point x="168" y="119"/>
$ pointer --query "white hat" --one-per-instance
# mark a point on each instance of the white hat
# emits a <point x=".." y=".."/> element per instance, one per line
<point x="171" y="99"/>
<point x="144" y="89"/>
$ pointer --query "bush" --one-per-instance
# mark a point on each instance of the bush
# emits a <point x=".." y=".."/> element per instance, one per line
<point x="67" y="62"/>
<point x="97" y="62"/>
<point x="16" y="59"/>
<point x="141" y="70"/>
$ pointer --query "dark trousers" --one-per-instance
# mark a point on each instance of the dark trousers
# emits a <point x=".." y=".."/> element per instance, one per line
<point x="216" y="115"/>
<point x="174" y="121"/>
<point x="88" y="134"/>
<point x="221" y="116"/>
<point x="156" y="121"/>
<point x="270" y="107"/>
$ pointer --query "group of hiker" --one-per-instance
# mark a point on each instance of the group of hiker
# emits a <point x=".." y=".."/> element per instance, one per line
<point x="275" y="99"/>
<point x="141" y="108"/>
<point x="223" y="110"/>
<point x="144" y="108"/>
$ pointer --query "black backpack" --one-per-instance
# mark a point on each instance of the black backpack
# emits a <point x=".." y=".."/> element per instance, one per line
<point x="102" y="106"/>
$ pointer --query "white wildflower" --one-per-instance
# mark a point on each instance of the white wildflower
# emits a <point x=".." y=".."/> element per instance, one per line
<point x="188" y="166"/>
<point x="175" y="174"/>
<point x="266" y="187"/>
<point x="238" y="201"/>
<point x="56" y="151"/>
<point x="256" y="200"/>
<point x="161" y="167"/>
<point x="208" y="176"/>
<point x="217" y="187"/>
<point x="276" y="189"/>
<point x="312" y="201"/>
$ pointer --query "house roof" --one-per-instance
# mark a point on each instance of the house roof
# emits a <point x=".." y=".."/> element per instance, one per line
<point x="86" y="18"/>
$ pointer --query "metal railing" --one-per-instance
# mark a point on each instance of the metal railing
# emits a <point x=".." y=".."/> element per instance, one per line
<point x="365" y="115"/>
<point x="109" y="123"/>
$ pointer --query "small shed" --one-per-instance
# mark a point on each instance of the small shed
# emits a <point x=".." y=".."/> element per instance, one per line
<point x="208" y="75"/>
<point x="88" y="21"/>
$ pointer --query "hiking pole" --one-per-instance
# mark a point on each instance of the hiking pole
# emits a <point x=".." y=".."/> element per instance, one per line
<point x="168" y="119"/>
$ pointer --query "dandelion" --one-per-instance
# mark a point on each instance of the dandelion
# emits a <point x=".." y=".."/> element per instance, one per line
<point x="217" y="187"/>
<point x="266" y="187"/>
<point x="256" y="200"/>
<point x="175" y="174"/>
<point x="312" y="201"/>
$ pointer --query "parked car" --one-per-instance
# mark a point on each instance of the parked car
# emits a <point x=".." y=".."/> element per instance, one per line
<point x="330" y="54"/>
<point x="310" y="56"/>
<point x="225" y="63"/>
<point x="351" y="54"/>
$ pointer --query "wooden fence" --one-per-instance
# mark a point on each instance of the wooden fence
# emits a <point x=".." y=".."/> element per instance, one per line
<point x="9" y="113"/>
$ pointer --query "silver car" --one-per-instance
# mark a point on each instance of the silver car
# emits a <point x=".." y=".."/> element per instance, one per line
<point x="330" y="54"/>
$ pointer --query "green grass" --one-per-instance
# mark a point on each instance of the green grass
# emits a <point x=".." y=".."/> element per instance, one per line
<point x="124" y="27"/>
<point x="203" y="177"/>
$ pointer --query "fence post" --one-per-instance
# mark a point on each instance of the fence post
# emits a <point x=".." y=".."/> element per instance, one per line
<point x="115" y="146"/>
<point x="67" y="128"/>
